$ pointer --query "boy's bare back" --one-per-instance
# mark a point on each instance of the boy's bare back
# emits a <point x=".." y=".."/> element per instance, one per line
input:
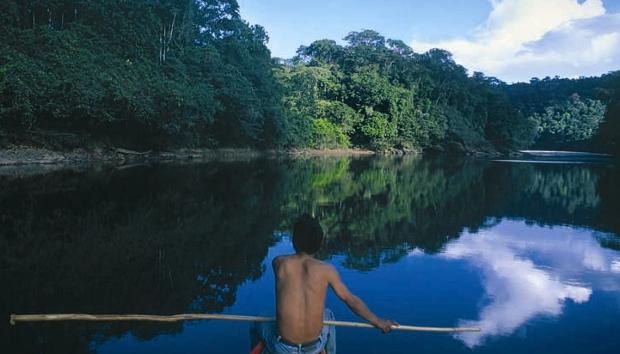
<point x="301" y="287"/>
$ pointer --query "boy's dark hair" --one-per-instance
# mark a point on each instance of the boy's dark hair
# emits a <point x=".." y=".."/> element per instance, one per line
<point x="307" y="234"/>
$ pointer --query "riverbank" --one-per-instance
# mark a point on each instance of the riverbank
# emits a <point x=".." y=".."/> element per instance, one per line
<point x="41" y="156"/>
<point x="47" y="148"/>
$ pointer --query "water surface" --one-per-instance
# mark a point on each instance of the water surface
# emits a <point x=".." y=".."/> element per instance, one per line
<point x="528" y="252"/>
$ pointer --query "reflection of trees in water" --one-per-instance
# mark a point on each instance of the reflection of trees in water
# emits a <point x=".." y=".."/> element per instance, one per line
<point x="570" y="189"/>
<point x="139" y="241"/>
<point x="579" y="195"/>
<point x="184" y="238"/>
<point x="609" y="217"/>
<point x="378" y="210"/>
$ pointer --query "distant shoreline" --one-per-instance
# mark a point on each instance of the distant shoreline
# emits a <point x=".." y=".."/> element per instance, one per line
<point x="562" y="154"/>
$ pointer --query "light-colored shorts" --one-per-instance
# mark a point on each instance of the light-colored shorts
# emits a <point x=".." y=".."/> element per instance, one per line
<point x="274" y="344"/>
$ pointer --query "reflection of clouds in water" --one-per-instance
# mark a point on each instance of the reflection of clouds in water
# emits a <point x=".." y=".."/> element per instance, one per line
<point x="416" y="252"/>
<point x="532" y="273"/>
<point x="615" y="266"/>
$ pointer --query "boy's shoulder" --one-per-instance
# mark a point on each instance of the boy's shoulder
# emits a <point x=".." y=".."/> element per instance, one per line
<point x="282" y="257"/>
<point x="278" y="260"/>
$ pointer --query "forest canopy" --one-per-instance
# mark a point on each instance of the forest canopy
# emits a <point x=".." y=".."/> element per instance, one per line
<point x="161" y="73"/>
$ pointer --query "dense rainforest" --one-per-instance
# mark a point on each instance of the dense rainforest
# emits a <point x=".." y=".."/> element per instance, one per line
<point x="166" y="73"/>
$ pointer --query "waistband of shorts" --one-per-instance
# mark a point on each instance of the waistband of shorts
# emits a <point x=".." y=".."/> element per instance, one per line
<point x="302" y="345"/>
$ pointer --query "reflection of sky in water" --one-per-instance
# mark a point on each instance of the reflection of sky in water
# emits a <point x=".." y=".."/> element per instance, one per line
<point x="533" y="273"/>
<point x="521" y="273"/>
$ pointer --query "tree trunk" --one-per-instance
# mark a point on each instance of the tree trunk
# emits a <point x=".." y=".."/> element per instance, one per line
<point x="170" y="33"/>
<point x="160" y="43"/>
<point x="163" y="40"/>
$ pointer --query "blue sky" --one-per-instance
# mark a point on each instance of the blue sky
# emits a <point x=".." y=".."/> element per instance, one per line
<point x="511" y="39"/>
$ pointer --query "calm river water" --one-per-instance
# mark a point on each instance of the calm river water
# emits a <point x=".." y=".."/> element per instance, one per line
<point x="530" y="252"/>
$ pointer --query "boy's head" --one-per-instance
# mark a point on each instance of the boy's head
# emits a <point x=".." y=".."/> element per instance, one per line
<point x="307" y="235"/>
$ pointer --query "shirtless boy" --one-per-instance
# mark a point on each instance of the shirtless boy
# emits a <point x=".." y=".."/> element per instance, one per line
<point x="301" y="287"/>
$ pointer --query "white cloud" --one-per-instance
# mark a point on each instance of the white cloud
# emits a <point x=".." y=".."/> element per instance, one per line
<point x="521" y="39"/>
<point x="530" y="274"/>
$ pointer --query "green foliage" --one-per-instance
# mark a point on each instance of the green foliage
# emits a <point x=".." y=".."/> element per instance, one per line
<point x="339" y="114"/>
<point x="193" y="72"/>
<point x="608" y="139"/>
<point x="570" y="113"/>
<point x="382" y="95"/>
<point x="377" y="129"/>
<point x="326" y="134"/>
<point x="408" y="100"/>
<point x="570" y="121"/>
<point x="419" y="123"/>
<point x="146" y="72"/>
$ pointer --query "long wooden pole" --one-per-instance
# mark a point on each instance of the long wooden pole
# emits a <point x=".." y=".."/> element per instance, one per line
<point x="189" y="316"/>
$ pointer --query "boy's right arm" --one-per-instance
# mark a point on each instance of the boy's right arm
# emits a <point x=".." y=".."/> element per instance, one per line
<point x="355" y="303"/>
